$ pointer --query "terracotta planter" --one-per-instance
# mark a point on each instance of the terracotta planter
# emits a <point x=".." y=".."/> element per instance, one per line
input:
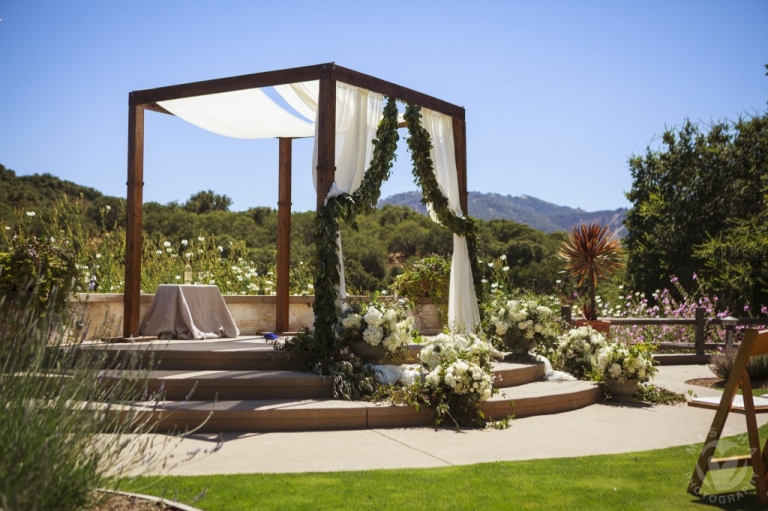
<point x="604" y="327"/>
<point x="622" y="390"/>
<point x="369" y="354"/>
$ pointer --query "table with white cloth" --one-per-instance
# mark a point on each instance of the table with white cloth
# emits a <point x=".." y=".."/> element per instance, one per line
<point x="188" y="312"/>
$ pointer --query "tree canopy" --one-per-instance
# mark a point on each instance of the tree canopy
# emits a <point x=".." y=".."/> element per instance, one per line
<point x="699" y="206"/>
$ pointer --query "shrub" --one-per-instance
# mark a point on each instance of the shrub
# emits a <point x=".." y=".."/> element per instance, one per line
<point x="721" y="364"/>
<point x="38" y="272"/>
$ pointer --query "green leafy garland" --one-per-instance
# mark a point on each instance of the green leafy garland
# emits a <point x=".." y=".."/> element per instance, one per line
<point x="423" y="171"/>
<point x="347" y="207"/>
<point x="323" y="348"/>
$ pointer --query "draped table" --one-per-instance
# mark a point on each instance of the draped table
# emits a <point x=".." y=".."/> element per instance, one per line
<point x="188" y="312"/>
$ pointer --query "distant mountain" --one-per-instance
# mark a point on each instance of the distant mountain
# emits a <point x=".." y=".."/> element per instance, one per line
<point x="531" y="211"/>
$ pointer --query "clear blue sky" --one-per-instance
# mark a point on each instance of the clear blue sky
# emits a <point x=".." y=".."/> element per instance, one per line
<point x="558" y="94"/>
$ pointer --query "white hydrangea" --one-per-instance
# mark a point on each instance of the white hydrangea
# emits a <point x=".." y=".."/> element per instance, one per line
<point x="373" y="317"/>
<point x="373" y="335"/>
<point x="352" y="321"/>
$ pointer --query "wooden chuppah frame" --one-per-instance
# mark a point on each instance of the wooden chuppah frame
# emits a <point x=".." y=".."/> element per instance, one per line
<point x="327" y="74"/>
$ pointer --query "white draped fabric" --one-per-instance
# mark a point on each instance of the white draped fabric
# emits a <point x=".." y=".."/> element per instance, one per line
<point x="462" y="301"/>
<point x="252" y="114"/>
<point x="302" y="97"/>
<point x="358" y="113"/>
<point x="239" y="114"/>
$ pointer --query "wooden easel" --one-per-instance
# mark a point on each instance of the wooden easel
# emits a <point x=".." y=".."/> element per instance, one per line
<point x="755" y="344"/>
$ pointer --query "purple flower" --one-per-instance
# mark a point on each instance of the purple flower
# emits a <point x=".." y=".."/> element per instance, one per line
<point x="674" y="279"/>
<point x="695" y="276"/>
<point x="746" y="307"/>
<point x="764" y="310"/>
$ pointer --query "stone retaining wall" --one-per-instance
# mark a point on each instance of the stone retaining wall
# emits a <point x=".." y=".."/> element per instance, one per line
<point x="102" y="313"/>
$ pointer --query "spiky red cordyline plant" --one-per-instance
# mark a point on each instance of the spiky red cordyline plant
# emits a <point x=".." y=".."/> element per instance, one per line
<point x="591" y="252"/>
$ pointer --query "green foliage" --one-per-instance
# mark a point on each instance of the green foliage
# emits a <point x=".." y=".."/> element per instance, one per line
<point x="520" y="321"/>
<point x="650" y="393"/>
<point x="207" y="201"/>
<point x="347" y="207"/>
<point x="55" y="408"/>
<point x="591" y="254"/>
<point x="423" y="171"/>
<point x="35" y="271"/>
<point x="426" y="278"/>
<point x="687" y="197"/>
<point x="721" y="364"/>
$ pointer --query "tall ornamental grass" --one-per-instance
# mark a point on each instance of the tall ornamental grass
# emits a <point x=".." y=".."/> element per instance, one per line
<point x="56" y="410"/>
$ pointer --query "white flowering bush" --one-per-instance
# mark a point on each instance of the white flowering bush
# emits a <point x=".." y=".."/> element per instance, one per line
<point x="577" y="350"/>
<point x="459" y="375"/>
<point x="625" y="362"/>
<point x="378" y="323"/>
<point x="520" y="324"/>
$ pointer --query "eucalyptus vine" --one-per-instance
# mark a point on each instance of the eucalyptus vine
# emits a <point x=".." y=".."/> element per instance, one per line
<point x="347" y="206"/>
<point x="424" y="174"/>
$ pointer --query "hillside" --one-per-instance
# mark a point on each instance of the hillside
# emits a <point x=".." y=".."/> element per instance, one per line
<point x="531" y="211"/>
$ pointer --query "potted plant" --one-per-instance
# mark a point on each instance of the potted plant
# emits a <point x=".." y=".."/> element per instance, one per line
<point x="520" y="324"/>
<point x="377" y="330"/>
<point x="577" y="350"/>
<point x="591" y="252"/>
<point x="623" y="367"/>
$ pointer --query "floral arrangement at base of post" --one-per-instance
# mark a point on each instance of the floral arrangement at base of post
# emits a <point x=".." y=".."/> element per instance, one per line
<point x="383" y="324"/>
<point x="459" y="376"/>
<point x="577" y="350"/>
<point x="520" y="325"/>
<point x="626" y="362"/>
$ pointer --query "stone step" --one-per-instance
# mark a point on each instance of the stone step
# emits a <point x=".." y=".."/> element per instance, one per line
<point x="202" y="385"/>
<point x="243" y="353"/>
<point x="326" y="414"/>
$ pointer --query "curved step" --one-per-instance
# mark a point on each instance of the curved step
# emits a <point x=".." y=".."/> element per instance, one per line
<point x="202" y="385"/>
<point x="228" y="385"/>
<point x="243" y="353"/>
<point x="325" y="414"/>
<point x="542" y="398"/>
<point x="508" y="374"/>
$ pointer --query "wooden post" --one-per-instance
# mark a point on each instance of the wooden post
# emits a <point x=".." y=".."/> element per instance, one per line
<point x="283" y="237"/>
<point x="326" y="143"/>
<point x="565" y="313"/>
<point x="133" y="222"/>
<point x="460" y="145"/>
<point x="699" y="337"/>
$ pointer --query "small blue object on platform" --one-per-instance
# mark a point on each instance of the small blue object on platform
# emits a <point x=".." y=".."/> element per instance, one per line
<point x="270" y="336"/>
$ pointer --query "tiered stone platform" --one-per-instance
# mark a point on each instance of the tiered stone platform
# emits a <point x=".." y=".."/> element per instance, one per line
<point x="244" y="385"/>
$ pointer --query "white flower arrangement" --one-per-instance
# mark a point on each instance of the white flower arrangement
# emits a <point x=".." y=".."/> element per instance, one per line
<point x="626" y="362"/>
<point x="577" y="350"/>
<point x="521" y="324"/>
<point x="460" y="363"/>
<point x="378" y="324"/>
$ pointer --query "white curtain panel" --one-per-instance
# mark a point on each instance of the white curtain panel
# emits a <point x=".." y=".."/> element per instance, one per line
<point x="239" y="114"/>
<point x="358" y="114"/>
<point x="462" y="301"/>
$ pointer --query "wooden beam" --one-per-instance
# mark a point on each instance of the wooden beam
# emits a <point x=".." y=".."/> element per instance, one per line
<point x="460" y="147"/>
<point x="283" y="237"/>
<point x="233" y="83"/>
<point x="392" y="90"/>
<point x="326" y="142"/>
<point x="134" y="212"/>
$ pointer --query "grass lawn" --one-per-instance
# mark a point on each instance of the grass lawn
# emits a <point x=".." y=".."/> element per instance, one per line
<point x="645" y="480"/>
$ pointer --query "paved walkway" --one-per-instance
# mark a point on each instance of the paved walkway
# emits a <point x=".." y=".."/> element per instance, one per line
<point x="606" y="428"/>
